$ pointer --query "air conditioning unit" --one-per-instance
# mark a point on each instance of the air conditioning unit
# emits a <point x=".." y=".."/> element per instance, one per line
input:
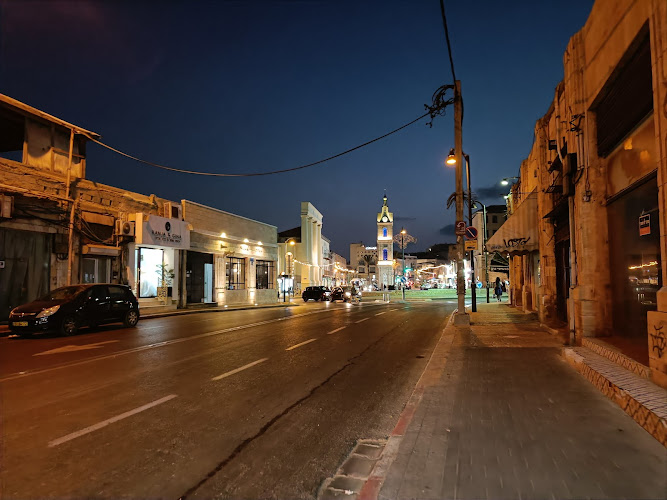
<point x="125" y="228"/>
<point x="173" y="210"/>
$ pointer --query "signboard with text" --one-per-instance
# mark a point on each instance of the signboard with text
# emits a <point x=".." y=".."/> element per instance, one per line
<point x="163" y="232"/>
<point x="644" y="225"/>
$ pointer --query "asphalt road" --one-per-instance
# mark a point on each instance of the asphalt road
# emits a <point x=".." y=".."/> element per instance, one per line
<point x="242" y="404"/>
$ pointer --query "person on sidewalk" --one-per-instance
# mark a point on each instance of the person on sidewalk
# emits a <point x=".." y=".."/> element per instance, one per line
<point x="498" y="288"/>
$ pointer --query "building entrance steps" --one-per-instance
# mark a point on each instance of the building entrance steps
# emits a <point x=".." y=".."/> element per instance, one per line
<point x="644" y="401"/>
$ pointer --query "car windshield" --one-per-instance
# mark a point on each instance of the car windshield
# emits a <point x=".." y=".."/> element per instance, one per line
<point x="64" y="293"/>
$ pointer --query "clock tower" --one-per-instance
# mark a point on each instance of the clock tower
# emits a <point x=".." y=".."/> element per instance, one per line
<point x="385" y="245"/>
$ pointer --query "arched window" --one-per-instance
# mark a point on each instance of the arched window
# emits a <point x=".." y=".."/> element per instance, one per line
<point x="384" y="253"/>
<point x="384" y="232"/>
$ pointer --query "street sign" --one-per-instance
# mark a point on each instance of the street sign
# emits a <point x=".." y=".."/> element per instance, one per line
<point x="479" y="284"/>
<point x="460" y="228"/>
<point x="471" y="233"/>
<point x="644" y="225"/>
<point x="471" y="245"/>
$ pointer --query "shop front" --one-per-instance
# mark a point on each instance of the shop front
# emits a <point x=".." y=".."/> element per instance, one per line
<point x="154" y="257"/>
<point x="518" y="239"/>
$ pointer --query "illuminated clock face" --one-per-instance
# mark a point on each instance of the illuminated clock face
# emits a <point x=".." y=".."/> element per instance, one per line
<point x="384" y="219"/>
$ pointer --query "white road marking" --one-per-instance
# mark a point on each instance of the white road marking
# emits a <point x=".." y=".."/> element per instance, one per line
<point x="249" y="365"/>
<point x="299" y="345"/>
<point x="383" y="312"/>
<point x="153" y="346"/>
<point x="362" y="320"/>
<point x="336" y="330"/>
<point x="111" y="420"/>
<point x="78" y="347"/>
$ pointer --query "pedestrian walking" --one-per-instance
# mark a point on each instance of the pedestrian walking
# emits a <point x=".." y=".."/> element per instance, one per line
<point x="498" y="288"/>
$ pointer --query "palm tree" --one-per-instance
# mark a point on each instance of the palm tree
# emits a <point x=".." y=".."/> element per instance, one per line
<point x="369" y="260"/>
<point x="452" y="199"/>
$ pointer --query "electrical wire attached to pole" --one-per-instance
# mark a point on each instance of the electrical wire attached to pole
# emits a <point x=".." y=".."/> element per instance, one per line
<point x="437" y="108"/>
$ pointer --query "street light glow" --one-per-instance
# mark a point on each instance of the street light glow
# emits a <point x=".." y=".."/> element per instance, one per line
<point x="451" y="158"/>
<point x="504" y="182"/>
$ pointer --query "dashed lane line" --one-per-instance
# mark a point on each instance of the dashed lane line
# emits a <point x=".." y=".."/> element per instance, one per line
<point x="153" y="346"/>
<point x="300" y="344"/>
<point x="361" y="320"/>
<point x="244" y="367"/>
<point x="336" y="330"/>
<point x="108" y="421"/>
<point x="383" y="312"/>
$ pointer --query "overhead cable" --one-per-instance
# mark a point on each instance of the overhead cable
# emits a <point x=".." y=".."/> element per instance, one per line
<point x="449" y="46"/>
<point x="255" y="174"/>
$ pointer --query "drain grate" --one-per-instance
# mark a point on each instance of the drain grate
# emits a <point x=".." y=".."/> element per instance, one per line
<point x="353" y="473"/>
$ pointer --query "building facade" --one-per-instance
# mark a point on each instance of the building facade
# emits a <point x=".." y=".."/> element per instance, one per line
<point x="300" y="251"/>
<point x="586" y="226"/>
<point x="59" y="228"/>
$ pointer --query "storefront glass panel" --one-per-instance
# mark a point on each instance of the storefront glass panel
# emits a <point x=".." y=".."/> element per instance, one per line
<point x="635" y="258"/>
<point x="150" y="265"/>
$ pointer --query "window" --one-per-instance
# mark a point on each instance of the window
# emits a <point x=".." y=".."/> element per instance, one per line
<point x="384" y="232"/>
<point x="117" y="293"/>
<point x="384" y="254"/>
<point x="235" y="273"/>
<point x="362" y="269"/>
<point x="265" y="272"/>
<point x="495" y="219"/>
<point x="371" y="269"/>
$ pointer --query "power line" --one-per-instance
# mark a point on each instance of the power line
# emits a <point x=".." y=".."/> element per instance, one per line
<point x="449" y="46"/>
<point x="255" y="174"/>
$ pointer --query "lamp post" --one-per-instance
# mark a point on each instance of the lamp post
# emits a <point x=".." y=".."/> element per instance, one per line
<point x="403" y="232"/>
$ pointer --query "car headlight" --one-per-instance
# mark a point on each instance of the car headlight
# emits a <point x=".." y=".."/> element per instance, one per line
<point x="48" y="312"/>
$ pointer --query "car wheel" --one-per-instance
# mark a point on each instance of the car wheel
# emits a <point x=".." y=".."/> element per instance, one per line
<point x="317" y="299"/>
<point x="68" y="326"/>
<point x="131" y="318"/>
<point x="305" y="299"/>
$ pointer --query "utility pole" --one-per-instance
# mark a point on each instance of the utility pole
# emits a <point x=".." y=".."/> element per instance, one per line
<point x="461" y="318"/>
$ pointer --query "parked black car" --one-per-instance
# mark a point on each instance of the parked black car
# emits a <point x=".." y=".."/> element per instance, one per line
<point x="315" y="293"/>
<point x="66" y="309"/>
<point x="346" y="294"/>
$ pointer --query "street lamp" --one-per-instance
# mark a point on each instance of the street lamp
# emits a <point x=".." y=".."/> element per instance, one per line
<point x="403" y="233"/>
<point x="486" y="253"/>
<point x="506" y="181"/>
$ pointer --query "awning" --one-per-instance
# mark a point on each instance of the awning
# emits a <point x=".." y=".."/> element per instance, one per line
<point x="518" y="234"/>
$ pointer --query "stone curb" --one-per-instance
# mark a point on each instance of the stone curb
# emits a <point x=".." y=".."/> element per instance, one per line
<point x="642" y="400"/>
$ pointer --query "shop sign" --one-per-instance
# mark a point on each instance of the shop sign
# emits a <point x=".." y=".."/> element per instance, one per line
<point x="164" y="232"/>
<point x="644" y="225"/>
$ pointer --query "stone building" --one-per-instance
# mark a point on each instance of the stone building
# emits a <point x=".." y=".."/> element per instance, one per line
<point x="586" y="226"/>
<point x="59" y="228"/>
<point x="300" y="251"/>
<point x="385" y="246"/>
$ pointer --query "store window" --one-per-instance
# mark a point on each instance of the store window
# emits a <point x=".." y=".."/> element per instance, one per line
<point x="265" y="270"/>
<point x="235" y="273"/>
<point x="634" y="246"/>
<point x="150" y="262"/>
<point x="96" y="270"/>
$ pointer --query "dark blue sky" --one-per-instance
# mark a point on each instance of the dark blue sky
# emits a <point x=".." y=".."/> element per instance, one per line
<point x="253" y="86"/>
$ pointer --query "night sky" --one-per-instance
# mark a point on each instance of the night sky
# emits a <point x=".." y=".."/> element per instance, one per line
<point x="252" y="86"/>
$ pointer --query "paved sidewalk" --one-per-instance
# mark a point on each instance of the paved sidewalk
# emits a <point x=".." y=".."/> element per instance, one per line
<point x="498" y="413"/>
